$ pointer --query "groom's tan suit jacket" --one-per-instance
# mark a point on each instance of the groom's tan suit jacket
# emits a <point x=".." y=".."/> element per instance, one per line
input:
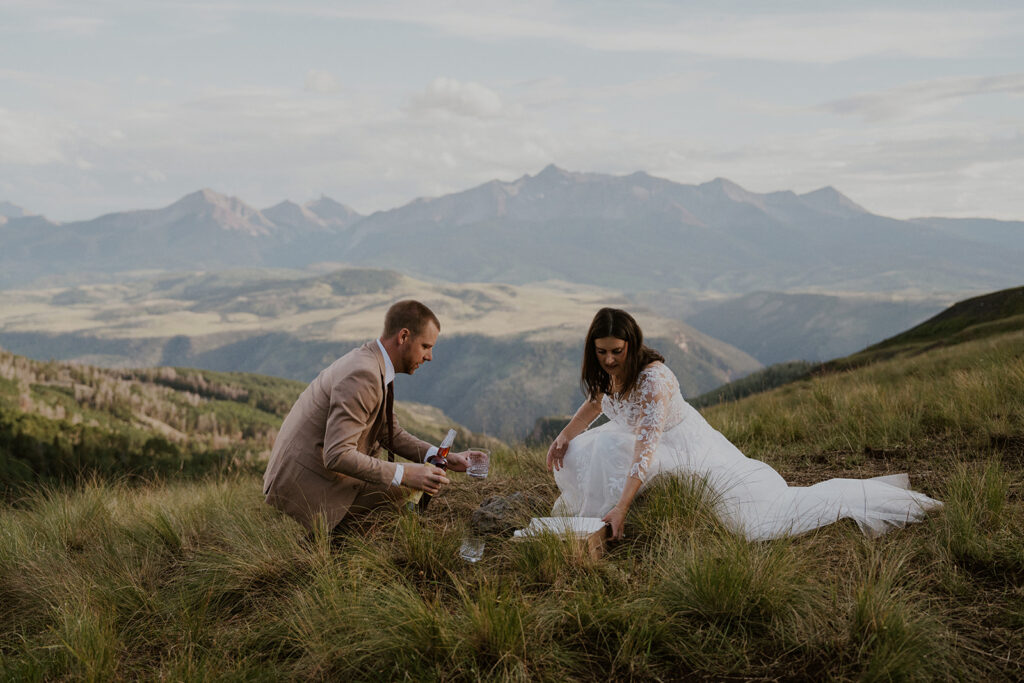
<point x="326" y="452"/>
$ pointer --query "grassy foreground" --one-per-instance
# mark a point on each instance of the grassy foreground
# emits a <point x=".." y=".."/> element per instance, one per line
<point x="201" y="580"/>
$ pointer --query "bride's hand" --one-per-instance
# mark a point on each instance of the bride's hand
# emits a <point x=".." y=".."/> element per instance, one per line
<point x="556" y="453"/>
<point x="616" y="518"/>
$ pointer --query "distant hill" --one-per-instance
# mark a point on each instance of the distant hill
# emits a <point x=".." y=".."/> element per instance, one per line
<point x="61" y="421"/>
<point x="507" y="354"/>
<point x="8" y="210"/>
<point x="976" y="318"/>
<point x="756" y="382"/>
<point x="632" y="233"/>
<point x="775" y="327"/>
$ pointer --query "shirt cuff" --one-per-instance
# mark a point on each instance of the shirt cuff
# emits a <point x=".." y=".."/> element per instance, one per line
<point x="432" y="451"/>
<point x="399" y="471"/>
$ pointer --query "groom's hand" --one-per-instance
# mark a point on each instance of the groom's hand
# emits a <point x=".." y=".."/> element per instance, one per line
<point x="424" y="478"/>
<point x="458" y="462"/>
<point x="556" y="453"/>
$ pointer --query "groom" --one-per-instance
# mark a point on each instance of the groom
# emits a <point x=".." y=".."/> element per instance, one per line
<point x="324" y="462"/>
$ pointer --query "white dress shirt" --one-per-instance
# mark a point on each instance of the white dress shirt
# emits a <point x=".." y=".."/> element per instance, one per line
<point x="389" y="377"/>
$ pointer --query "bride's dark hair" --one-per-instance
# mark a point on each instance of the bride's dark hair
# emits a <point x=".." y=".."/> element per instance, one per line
<point x="614" y="322"/>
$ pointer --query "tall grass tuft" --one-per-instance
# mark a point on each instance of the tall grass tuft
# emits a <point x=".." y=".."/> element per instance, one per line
<point x="425" y="553"/>
<point x="733" y="606"/>
<point x="675" y="506"/>
<point x="974" y="530"/>
<point x="496" y="636"/>
<point x="549" y="560"/>
<point x="892" y="638"/>
<point x="731" y="583"/>
<point x="609" y="625"/>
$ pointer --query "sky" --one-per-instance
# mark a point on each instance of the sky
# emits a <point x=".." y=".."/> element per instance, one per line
<point x="910" y="108"/>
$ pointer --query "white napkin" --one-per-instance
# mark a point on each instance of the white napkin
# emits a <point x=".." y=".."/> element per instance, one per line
<point x="580" y="527"/>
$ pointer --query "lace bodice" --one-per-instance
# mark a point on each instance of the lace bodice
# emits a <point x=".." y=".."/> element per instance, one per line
<point x="654" y="406"/>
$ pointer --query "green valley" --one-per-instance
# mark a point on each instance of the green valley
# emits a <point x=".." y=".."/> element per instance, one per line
<point x="506" y="355"/>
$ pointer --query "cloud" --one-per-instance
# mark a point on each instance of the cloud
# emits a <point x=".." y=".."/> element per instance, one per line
<point x="32" y="140"/>
<point x="51" y="18"/>
<point x="462" y="99"/>
<point x="556" y="90"/>
<point x="70" y="24"/>
<point x="905" y="170"/>
<point x="795" y="36"/>
<point x="923" y="97"/>
<point x="320" y="81"/>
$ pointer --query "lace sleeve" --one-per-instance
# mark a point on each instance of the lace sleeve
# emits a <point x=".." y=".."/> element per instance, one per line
<point x="655" y="396"/>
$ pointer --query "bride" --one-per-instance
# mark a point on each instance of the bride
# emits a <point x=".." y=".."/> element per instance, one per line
<point x="652" y="430"/>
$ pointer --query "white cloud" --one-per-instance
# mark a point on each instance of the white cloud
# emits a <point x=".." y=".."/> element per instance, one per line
<point x="924" y="97"/>
<point x="71" y="24"/>
<point x="549" y="91"/>
<point x="750" y="33"/>
<point x="950" y="169"/>
<point x="32" y="140"/>
<point x="463" y="99"/>
<point x="320" y="81"/>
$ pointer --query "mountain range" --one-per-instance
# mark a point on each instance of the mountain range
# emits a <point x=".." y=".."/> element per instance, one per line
<point x="633" y="233"/>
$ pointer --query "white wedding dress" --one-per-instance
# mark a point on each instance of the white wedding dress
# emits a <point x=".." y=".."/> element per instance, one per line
<point x="654" y="431"/>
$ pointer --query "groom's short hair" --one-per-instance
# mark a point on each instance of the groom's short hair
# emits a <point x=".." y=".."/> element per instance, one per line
<point x="408" y="314"/>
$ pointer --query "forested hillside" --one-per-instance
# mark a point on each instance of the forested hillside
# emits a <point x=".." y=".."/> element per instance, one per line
<point x="63" y="421"/>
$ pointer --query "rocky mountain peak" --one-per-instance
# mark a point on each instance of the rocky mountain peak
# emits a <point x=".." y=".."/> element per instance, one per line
<point x="727" y="188"/>
<point x="228" y="213"/>
<point x="553" y="174"/>
<point x="332" y="212"/>
<point x="201" y="199"/>
<point x="295" y="218"/>
<point x="9" y="210"/>
<point x="831" y="200"/>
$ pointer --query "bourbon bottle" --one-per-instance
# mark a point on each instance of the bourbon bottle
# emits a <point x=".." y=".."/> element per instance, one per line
<point x="439" y="459"/>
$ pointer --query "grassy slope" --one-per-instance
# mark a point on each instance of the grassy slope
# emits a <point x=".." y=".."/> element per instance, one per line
<point x="195" y="581"/>
<point x="755" y="383"/>
<point x="977" y="318"/>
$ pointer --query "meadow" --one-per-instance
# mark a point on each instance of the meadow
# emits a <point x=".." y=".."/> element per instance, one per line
<point x="200" y="580"/>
